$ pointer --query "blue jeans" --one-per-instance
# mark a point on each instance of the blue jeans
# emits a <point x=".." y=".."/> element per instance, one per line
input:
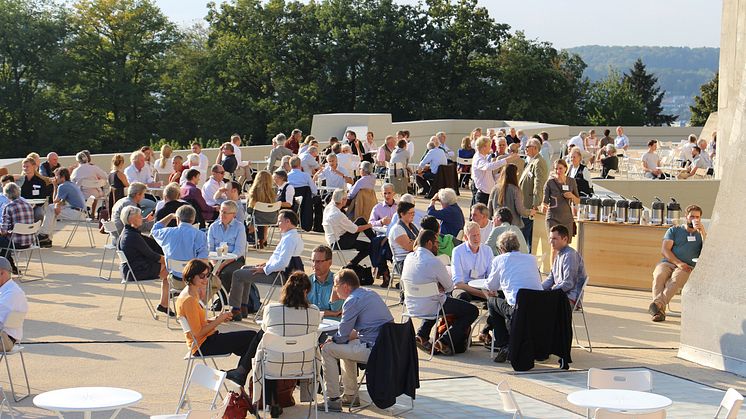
<point x="528" y="231"/>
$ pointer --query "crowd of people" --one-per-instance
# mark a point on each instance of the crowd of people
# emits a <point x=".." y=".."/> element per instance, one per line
<point x="179" y="209"/>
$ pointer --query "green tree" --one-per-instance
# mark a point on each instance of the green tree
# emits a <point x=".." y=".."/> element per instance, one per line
<point x="611" y="101"/>
<point x="646" y="86"/>
<point x="118" y="52"/>
<point x="705" y="103"/>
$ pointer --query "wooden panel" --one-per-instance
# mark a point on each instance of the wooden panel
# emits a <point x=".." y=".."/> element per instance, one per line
<point x="620" y="255"/>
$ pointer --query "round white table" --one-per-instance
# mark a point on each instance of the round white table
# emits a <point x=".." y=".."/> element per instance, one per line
<point x="480" y="283"/>
<point x="328" y="325"/>
<point x="36" y="201"/>
<point x="619" y="400"/>
<point x="87" y="400"/>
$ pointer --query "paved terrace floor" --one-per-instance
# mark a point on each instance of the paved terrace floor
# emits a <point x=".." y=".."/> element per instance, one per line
<point x="72" y="338"/>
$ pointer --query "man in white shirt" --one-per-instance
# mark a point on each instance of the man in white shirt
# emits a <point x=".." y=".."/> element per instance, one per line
<point x="686" y="150"/>
<point x="243" y="166"/>
<point x="702" y="144"/>
<point x="308" y="160"/>
<point x="339" y="229"/>
<point x="336" y="177"/>
<point x="286" y="256"/>
<point x="480" y="214"/>
<point x="509" y="272"/>
<point x="138" y="171"/>
<point x="214" y="189"/>
<point x="579" y="142"/>
<point x="12" y="299"/>
<point x="651" y="161"/>
<point x="348" y="161"/>
<point x="204" y="163"/>
<point x="422" y="267"/>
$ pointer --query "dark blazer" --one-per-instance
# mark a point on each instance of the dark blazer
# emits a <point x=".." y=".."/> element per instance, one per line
<point x="393" y="367"/>
<point x="541" y="325"/>
<point x="141" y="257"/>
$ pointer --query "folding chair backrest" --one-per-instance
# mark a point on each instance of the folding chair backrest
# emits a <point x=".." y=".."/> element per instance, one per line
<point x="445" y="259"/>
<point x="184" y="323"/>
<point x="289" y="344"/>
<point x="122" y="257"/>
<point x="176" y="265"/>
<point x="465" y="162"/>
<point x="429" y="289"/>
<point x="265" y="207"/>
<point x="620" y="379"/>
<point x="90" y="202"/>
<point x="581" y="294"/>
<point x="207" y="377"/>
<point x="510" y="405"/>
<point x="26" y="229"/>
<point x="14" y="320"/>
<point x="608" y="414"/>
<point x="732" y="401"/>
<point x="110" y="227"/>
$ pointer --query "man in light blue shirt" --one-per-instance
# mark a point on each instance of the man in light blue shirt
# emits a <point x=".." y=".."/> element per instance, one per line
<point x="363" y="314"/>
<point x="434" y="158"/>
<point x="297" y="178"/>
<point x="227" y="229"/>
<point x="621" y="142"/>
<point x="308" y="160"/>
<point x="568" y="271"/>
<point x="510" y="272"/>
<point x="366" y="181"/>
<point x="335" y="176"/>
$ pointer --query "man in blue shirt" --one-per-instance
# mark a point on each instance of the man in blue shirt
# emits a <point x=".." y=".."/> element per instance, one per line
<point x="681" y="244"/>
<point x="181" y="243"/>
<point x="363" y="314"/>
<point x="322" y="293"/>
<point x="69" y="200"/>
<point x="568" y="270"/>
<point x="227" y="229"/>
<point x="428" y="167"/>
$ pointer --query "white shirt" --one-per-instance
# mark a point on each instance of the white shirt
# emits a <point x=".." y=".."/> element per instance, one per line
<point x="208" y="192"/>
<point x="546" y="151"/>
<point x="290" y="245"/>
<point x="511" y="272"/>
<point x="650" y="160"/>
<point x="204" y="163"/>
<point x="410" y="148"/>
<point x="396" y="231"/>
<point x="422" y="267"/>
<point x="237" y="153"/>
<point x="574" y="171"/>
<point x="143" y="175"/>
<point x="289" y="193"/>
<point x="686" y="151"/>
<point x="349" y="162"/>
<point x="577" y="142"/>
<point x="484" y="233"/>
<point x="12" y="298"/>
<point x="435" y="157"/>
<point x="467" y="265"/>
<point x="336" y="224"/>
<point x="481" y="171"/>
<point x="168" y="169"/>
<point x="308" y="163"/>
<point x="621" y="141"/>
<point x="334" y="180"/>
<point x="88" y="175"/>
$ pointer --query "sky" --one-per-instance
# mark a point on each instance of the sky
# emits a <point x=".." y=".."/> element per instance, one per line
<point x="570" y="23"/>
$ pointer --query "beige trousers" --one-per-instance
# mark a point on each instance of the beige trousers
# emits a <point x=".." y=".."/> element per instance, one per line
<point x="349" y="354"/>
<point x="668" y="279"/>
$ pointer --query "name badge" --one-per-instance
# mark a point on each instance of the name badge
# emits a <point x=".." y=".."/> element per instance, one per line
<point x="35" y="192"/>
<point x="565" y="187"/>
<point x="691" y="238"/>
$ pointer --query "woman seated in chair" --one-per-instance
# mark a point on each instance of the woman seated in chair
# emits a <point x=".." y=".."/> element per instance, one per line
<point x="196" y="274"/>
<point x="261" y="191"/>
<point x="292" y="316"/>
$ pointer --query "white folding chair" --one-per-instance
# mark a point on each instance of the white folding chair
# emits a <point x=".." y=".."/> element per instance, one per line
<point x="111" y="244"/>
<point x="445" y="259"/>
<point x="465" y="162"/>
<point x="732" y="401"/>
<point x="206" y="377"/>
<point x="5" y="404"/>
<point x="425" y="291"/>
<point x="83" y="216"/>
<point x="391" y="286"/>
<point x="32" y="230"/>
<point x="268" y="296"/>
<point x="216" y="413"/>
<point x="15" y="321"/>
<point x="608" y="414"/>
<point x="191" y="357"/>
<point x="639" y="380"/>
<point x="510" y="405"/>
<point x="298" y="203"/>
<point x="578" y="308"/>
<point x="126" y="280"/>
<point x="265" y="210"/>
<point x="178" y="266"/>
<point x="288" y="345"/>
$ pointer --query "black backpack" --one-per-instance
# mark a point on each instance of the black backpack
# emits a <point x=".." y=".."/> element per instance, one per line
<point x="364" y="273"/>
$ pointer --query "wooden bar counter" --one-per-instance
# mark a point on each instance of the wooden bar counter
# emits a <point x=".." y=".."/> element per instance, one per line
<point x="620" y="255"/>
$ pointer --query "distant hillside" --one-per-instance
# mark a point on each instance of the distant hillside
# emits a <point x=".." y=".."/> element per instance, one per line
<point x="680" y="70"/>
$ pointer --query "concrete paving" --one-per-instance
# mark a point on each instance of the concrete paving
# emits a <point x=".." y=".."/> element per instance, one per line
<point x="72" y="338"/>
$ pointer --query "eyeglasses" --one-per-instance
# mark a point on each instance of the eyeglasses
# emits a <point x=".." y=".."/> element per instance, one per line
<point x="319" y="260"/>
<point x="203" y="275"/>
<point x="227" y="212"/>
<point x="219" y="173"/>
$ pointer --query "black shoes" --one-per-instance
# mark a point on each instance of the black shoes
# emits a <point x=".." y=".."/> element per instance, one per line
<point x="166" y="310"/>
<point x="236" y="376"/>
<point x="502" y="355"/>
<point x="45" y="241"/>
<point x="653" y="309"/>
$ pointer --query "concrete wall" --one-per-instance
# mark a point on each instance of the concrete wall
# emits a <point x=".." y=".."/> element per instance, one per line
<point x="639" y="136"/>
<point x="686" y="192"/>
<point x="713" y="322"/>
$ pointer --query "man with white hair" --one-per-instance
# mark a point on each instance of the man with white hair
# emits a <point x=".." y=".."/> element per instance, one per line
<point x="17" y="211"/>
<point x="471" y="260"/>
<point x="450" y="215"/>
<point x="480" y="214"/>
<point x="347" y="160"/>
<point x="366" y="181"/>
<point x="135" y="196"/>
<point x="427" y="170"/>
<point x="702" y="144"/>
<point x="305" y="187"/>
<point x="385" y="210"/>
<point x="334" y="175"/>
<point x="48" y="167"/>
<point x="532" y="182"/>
<point x="482" y="167"/>
<point x="441" y="136"/>
<point x="138" y="171"/>
<point x="340" y="230"/>
<point x="278" y="151"/>
<point x="308" y="160"/>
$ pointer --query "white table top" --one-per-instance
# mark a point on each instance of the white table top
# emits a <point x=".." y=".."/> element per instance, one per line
<point x="328" y="325"/>
<point x="480" y="283"/>
<point x="87" y="399"/>
<point x="37" y="201"/>
<point x="380" y="229"/>
<point x="628" y="400"/>
<point x="672" y="168"/>
<point x="226" y="256"/>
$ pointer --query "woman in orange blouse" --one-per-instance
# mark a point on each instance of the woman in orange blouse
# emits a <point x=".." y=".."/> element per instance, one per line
<point x="210" y="341"/>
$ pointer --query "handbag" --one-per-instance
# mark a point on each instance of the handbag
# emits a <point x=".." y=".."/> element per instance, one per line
<point x="239" y="406"/>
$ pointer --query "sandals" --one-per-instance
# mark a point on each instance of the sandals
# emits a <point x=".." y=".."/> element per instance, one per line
<point x="443" y="348"/>
<point x="423" y="344"/>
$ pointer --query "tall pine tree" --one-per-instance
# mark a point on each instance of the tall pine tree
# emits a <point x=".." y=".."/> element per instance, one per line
<point x="705" y="103"/>
<point x="646" y="86"/>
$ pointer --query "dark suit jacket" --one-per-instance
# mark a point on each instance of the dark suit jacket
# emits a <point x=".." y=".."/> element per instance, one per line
<point x="393" y="367"/>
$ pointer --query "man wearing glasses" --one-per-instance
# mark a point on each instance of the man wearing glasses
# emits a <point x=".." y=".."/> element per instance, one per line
<point x="227" y="229"/>
<point x="322" y="292"/>
<point x="214" y="189"/>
